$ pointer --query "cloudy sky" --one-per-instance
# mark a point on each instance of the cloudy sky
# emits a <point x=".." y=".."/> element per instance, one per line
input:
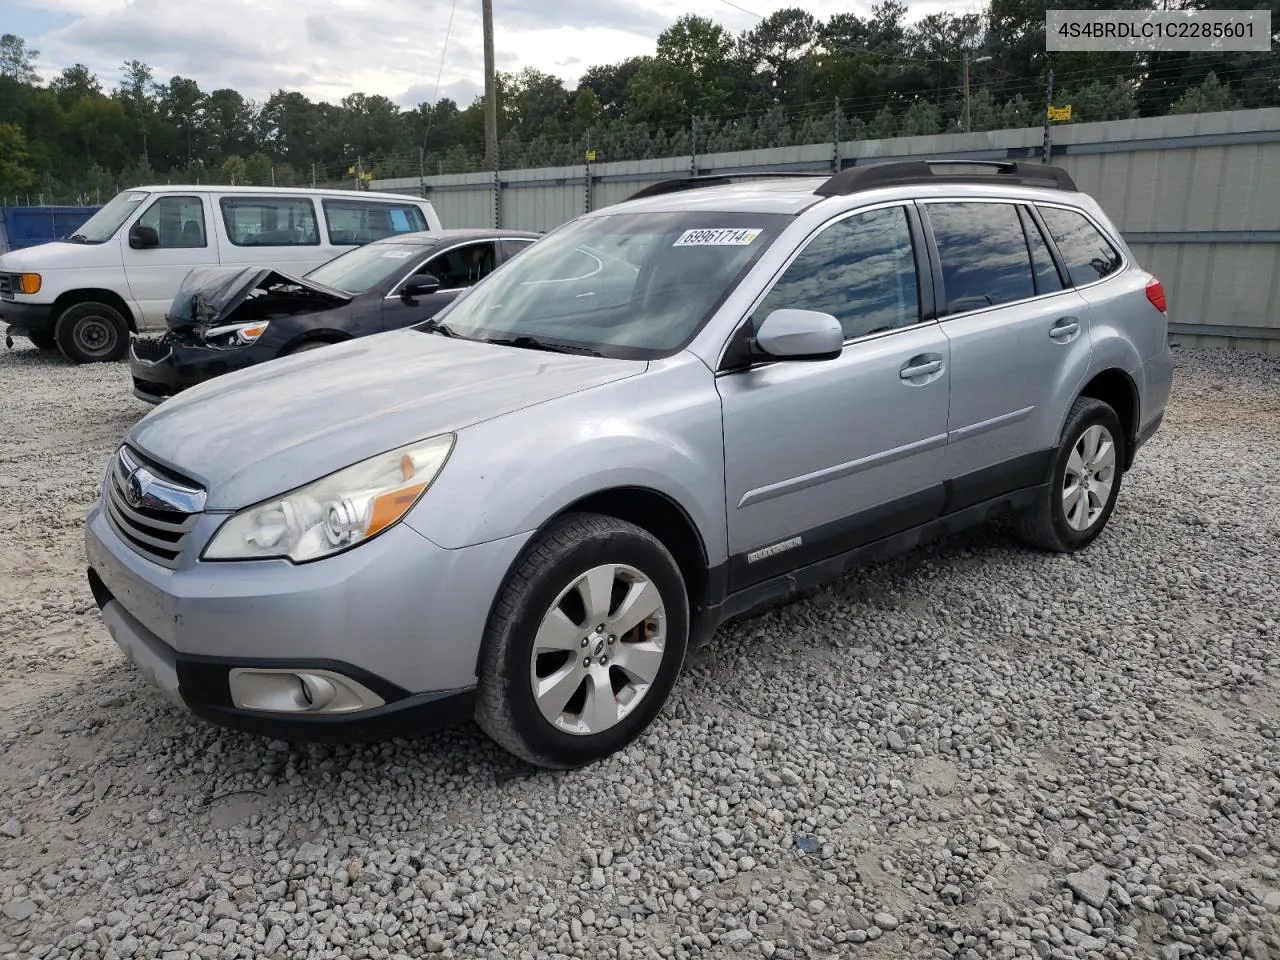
<point x="329" y="48"/>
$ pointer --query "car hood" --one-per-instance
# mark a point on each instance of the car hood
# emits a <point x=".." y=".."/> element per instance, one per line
<point x="260" y="432"/>
<point x="61" y="255"/>
<point x="209" y="295"/>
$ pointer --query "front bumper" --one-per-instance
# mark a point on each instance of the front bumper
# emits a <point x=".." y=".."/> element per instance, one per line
<point x="397" y="607"/>
<point x="166" y="366"/>
<point x="24" y="318"/>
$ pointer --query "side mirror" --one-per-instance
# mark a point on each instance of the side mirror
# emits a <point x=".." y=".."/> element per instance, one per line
<point x="142" y="237"/>
<point x="420" y="285"/>
<point x="800" y="335"/>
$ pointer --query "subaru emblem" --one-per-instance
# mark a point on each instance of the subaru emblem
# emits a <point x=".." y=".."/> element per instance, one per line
<point x="133" y="488"/>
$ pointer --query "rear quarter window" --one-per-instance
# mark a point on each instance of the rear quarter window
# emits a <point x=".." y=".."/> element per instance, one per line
<point x="1088" y="255"/>
<point x="363" y="221"/>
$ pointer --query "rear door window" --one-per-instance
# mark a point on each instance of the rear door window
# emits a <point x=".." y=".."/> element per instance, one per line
<point x="254" y="221"/>
<point x="1089" y="256"/>
<point x="363" y="221"/>
<point x="1046" y="271"/>
<point x="983" y="252"/>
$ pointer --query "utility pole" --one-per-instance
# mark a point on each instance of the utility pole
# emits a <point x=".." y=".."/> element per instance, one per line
<point x="968" y="123"/>
<point x="490" y="91"/>
<point x="1048" y="136"/>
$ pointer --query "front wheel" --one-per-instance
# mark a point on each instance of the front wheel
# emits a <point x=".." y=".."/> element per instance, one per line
<point x="584" y="642"/>
<point x="1084" y="484"/>
<point x="92" y="333"/>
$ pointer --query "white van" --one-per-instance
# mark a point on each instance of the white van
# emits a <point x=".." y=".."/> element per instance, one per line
<point x="120" y="271"/>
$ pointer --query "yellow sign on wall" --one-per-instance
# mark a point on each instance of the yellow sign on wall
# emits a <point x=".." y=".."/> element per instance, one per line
<point x="1060" y="113"/>
<point x="591" y="155"/>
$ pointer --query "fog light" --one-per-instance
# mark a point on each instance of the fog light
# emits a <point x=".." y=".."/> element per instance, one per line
<point x="298" y="691"/>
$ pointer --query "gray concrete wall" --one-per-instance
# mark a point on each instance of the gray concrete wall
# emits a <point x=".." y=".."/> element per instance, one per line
<point x="1196" y="196"/>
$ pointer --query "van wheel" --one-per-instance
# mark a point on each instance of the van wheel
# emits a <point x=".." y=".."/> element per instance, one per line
<point x="1084" y="484"/>
<point x="584" y="642"/>
<point x="44" y="342"/>
<point x="92" y="333"/>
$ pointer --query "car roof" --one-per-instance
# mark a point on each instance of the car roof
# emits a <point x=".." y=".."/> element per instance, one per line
<point x="427" y="237"/>
<point x="782" y="192"/>
<point x="278" y="191"/>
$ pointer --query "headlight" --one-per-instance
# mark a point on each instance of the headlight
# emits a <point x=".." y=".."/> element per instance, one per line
<point x="335" y="512"/>
<point x="237" y="334"/>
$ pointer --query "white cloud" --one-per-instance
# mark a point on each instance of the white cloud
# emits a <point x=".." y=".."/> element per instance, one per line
<point x="328" y="49"/>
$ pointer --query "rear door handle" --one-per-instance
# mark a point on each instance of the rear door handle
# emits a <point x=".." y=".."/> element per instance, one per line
<point x="1064" y="327"/>
<point x="910" y="372"/>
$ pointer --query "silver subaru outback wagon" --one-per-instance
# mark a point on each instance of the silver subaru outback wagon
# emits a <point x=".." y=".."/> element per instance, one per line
<point x="663" y="415"/>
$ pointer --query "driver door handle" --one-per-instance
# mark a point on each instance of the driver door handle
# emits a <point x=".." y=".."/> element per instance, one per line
<point x="911" y="371"/>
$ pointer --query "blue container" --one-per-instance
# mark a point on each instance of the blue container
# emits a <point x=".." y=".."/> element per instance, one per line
<point x="28" y="226"/>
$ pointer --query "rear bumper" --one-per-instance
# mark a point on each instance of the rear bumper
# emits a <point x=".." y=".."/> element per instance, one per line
<point x="158" y="377"/>
<point x="25" y="318"/>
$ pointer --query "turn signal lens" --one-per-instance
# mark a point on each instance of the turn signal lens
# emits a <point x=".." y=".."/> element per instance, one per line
<point x="29" y="283"/>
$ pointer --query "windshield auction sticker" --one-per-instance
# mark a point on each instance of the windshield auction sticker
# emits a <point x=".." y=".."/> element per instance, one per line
<point x="718" y="237"/>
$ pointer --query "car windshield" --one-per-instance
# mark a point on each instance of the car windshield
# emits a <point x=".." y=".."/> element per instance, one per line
<point x="363" y="268"/>
<point x="627" y="285"/>
<point x="102" y="226"/>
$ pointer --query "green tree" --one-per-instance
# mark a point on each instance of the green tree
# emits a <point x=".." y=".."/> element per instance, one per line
<point x="183" y="105"/>
<point x="16" y="174"/>
<point x="1211" y="96"/>
<point x="17" y="61"/>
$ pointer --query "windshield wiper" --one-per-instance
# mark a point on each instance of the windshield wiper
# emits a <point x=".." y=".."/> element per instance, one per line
<point x="79" y="236"/>
<point x="534" y="343"/>
<point x="438" y="326"/>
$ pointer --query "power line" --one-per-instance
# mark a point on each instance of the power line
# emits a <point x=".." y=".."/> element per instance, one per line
<point x="730" y="3"/>
<point x="435" y="97"/>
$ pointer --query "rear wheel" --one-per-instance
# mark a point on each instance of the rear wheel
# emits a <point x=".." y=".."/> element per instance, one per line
<point x="92" y="333"/>
<point x="1085" y="482"/>
<point x="584" y="642"/>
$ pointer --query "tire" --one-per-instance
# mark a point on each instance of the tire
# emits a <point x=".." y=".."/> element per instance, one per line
<point x="92" y="333"/>
<point x="44" y="342"/>
<point x="550" y="584"/>
<point x="1061" y="521"/>
<point x="306" y="345"/>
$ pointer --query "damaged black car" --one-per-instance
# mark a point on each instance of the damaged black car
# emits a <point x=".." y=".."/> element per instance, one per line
<point x="229" y="318"/>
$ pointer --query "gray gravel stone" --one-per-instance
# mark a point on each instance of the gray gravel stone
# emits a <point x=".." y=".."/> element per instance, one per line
<point x="942" y="739"/>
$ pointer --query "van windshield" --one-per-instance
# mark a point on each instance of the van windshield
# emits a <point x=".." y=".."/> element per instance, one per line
<point x="626" y="285"/>
<point x="102" y="226"/>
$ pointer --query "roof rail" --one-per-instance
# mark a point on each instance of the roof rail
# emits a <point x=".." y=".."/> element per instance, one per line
<point x="713" y="180"/>
<point x="893" y="173"/>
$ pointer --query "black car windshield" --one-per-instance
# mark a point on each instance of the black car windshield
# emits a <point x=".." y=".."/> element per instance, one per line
<point x="363" y="268"/>
<point x="628" y="285"/>
<point x="102" y="226"/>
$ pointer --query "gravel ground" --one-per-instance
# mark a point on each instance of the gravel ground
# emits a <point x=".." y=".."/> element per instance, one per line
<point x="972" y="751"/>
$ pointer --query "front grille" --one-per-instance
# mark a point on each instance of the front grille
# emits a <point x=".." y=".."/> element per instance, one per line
<point x="150" y="349"/>
<point x="6" y="285"/>
<point x="149" y="509"/>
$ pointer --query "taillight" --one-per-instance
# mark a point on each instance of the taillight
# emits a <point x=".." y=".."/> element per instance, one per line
<point x="1155" y="293"/>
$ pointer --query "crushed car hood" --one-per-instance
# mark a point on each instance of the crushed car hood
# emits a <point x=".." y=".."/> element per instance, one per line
<point x="257" y="433"/>
<point x="208" y="295"/>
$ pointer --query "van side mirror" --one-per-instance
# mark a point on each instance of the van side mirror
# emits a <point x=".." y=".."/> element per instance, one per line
<point x="420" y="285"/>
<point x="142" y="237"/>
<point x="800" y="335"/>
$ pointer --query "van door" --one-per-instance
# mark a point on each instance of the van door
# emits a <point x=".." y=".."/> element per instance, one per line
<point x="181" y="241"/>
<point x="279" y="232"/>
